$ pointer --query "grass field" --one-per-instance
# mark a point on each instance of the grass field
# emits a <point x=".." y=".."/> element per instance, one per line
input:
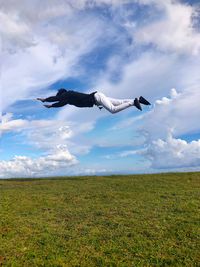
<point x="135" y="220"/>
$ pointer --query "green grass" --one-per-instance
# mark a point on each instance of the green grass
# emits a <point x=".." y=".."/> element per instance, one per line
<point x="135" y="220"/>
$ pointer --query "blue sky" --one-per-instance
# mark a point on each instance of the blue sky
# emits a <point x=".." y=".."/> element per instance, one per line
<point x="121" y="48"/>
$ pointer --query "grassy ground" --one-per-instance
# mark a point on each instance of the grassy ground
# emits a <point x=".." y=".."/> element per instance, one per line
<point x="141" y="220"/>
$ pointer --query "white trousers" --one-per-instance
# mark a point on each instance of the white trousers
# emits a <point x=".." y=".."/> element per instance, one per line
<point x="111" y="104"/>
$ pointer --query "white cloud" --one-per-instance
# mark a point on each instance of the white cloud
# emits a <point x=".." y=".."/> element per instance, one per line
<point x="13" y="125"/>
<point x="14" y="33"/>
<point x="179" y="112"/>
<point x="173" y="153"/>
<point x="174" y="31"/>
<point x="20" y="166"/>
<point x="151" y="76"/>
<point x="59" y="47"/>
<point x="40" y="48"/>
<point x="129" y="153"/>
<point x="172" y="117"/>
<point x="48" y="135"/>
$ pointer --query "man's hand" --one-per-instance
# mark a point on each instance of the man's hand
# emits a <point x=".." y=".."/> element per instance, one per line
<point x="48" y="106"/>
<point x="40" y="99"/>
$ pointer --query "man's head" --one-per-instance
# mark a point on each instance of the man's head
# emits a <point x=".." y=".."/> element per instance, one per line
<point x="61" y="91"/>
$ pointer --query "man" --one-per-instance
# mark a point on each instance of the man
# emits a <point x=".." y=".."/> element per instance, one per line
<point x="64" y="97"/>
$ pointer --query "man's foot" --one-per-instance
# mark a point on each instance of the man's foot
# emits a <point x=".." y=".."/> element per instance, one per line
<point x="137" y="104"/>
<point x="142" y="100"/>
<point x="47" y="106"/>
<point x="41" y="99"/>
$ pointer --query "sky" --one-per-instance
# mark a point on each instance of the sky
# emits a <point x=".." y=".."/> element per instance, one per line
<point x="122" y="48"/>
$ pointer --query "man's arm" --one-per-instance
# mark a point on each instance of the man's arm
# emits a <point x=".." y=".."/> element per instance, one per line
<point x="56" y="105"/>
<point x="49" y="99"/>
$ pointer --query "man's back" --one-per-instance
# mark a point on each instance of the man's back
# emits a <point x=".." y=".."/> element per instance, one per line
<point x="78" y="99"/>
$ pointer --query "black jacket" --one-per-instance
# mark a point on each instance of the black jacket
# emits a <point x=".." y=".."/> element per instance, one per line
<point x="79" y="99"/>
<point x="70" y="97"/>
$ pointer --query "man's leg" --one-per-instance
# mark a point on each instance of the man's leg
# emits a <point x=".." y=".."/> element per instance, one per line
<point x="105" y="101"/>
<point x="117" y="102"/>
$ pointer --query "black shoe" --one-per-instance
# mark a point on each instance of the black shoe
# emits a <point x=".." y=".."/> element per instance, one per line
<point x="137" y="104"/>
<point x="142" y="100"/>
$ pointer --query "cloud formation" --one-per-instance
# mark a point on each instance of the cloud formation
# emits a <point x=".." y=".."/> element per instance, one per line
<point x="39" y="47"/>
<point x="155" y="53"/>
<point x="47" y="135"/>
<point x="173" y="153"/>
<point x="172" y="117"/>
<point x="175" y="31"/>
<point x="179" y="112"/>
<point x="21" y="166"/>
